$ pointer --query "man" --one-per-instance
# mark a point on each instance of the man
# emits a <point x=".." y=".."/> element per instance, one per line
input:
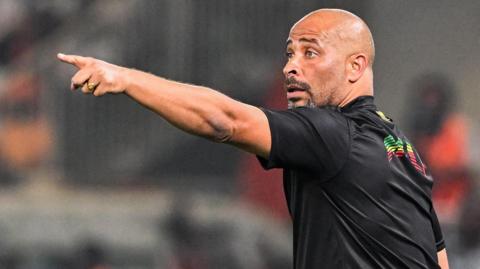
<point x="358" y="193"/>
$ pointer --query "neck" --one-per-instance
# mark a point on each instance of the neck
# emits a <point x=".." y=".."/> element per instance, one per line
<point x="361" y="87"/>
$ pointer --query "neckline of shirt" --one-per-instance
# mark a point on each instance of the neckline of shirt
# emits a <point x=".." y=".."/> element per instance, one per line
<point x="364" y="101"/>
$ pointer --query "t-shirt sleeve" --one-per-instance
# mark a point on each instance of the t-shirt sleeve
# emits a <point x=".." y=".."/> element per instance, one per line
<point x="311" y="139"/>
<point x="437" y="231"/>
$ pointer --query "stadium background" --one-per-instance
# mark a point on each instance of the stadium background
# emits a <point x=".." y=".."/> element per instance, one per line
<point x="103" y="183"/>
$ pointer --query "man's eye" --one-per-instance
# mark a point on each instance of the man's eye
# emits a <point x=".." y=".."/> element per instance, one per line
<point x="289" y="54"/>
<point x="310" y="53"/>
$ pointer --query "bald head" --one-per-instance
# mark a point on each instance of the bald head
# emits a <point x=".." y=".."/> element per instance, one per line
<point x="339" y="28"/>
<point x="330" y="56"/>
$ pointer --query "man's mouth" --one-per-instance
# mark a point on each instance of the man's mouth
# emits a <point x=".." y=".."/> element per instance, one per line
<point x="295" y="93"/>
<point x="295" y="88"/>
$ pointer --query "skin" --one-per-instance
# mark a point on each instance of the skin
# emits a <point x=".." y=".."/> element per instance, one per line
<point x="443" y="259"/>
<point x="330" y="55"/>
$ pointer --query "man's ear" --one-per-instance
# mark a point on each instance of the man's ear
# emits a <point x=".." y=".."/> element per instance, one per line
<point x="356" y="65"/>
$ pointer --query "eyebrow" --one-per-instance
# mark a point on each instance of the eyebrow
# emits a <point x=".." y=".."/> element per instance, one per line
<point x="304" y="39"/>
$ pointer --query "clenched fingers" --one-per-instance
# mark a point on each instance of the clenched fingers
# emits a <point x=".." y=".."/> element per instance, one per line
<point x="100" y="90"/>
<point x="94" y="83"/>
<point x="80" y="78"/>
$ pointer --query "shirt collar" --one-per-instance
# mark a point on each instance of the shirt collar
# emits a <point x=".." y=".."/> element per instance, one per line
<point x="361" y="102"/>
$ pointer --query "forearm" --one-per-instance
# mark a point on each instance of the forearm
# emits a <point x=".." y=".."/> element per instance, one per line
<point x="195" y="109"/>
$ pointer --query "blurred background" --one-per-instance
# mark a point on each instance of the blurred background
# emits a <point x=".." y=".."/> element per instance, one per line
<point x="103" y="183"/>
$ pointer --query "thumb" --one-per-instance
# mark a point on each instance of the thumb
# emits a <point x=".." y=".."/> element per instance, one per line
<point x="77" y="61"/>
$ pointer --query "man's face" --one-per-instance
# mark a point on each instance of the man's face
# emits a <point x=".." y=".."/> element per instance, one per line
<point x="315" y="70"/>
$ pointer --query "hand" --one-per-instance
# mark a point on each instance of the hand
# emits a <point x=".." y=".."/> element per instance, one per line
<point x="95" y="76"/>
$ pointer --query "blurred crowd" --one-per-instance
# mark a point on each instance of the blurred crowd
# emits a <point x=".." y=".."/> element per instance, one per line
<point x="22" y="24"/>
<point x="446" y="139"/>
<point x="55" y="207"/>
<point x="46" y="144"/>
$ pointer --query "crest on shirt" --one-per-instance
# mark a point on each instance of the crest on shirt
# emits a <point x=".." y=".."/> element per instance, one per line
<point x="403" y="149"/>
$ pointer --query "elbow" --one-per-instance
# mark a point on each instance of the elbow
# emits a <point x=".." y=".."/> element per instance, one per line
<point x="222" y="134"/>
<point x="221" y="131"/>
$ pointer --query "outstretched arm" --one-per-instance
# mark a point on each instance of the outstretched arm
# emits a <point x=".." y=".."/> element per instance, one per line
<point x="194" y="109"/>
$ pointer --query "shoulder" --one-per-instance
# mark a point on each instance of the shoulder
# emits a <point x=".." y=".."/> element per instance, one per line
<point x="328" y="118"/>
<point x="324" y="116"/>
<point x="315" y="139"/>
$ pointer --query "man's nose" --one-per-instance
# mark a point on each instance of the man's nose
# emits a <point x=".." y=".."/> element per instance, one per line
<point x="291" y="68"/>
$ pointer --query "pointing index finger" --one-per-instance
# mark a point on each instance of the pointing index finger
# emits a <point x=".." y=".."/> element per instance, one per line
<point x="77" y="61"/>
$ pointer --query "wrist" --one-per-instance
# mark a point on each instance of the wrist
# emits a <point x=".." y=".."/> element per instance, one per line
<point x="126" y="75"/>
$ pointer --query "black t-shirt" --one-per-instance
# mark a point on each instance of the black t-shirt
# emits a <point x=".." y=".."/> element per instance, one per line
<point x="357" y="191"/>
